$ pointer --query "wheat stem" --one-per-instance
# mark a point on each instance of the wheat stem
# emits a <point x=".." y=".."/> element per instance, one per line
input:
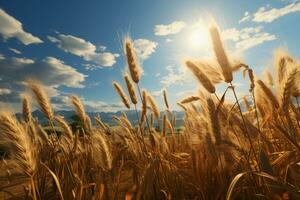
<point x="245" y="126"/>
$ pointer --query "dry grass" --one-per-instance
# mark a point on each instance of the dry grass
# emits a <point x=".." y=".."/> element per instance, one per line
<point x="223" y="152"/>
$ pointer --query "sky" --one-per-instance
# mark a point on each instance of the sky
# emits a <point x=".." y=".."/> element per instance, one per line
<point x="75" y="47"/>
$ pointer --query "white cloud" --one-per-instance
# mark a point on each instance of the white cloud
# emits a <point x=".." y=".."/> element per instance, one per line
<point x="105" y="59"/>
<point x="12" y="28"/>
<point x="68" y="75"/>
<point x="21" y="61"/>
<point x="174" y="76"/>
<point x="246" y="17"/>
<point x="169" y="29"/>
<point x="91" y="67"/>
<point x="267" y="14"/>
<point x="74" y="45"/>
<point x="185" y="93"/>
<point x="97" y="105"/>
<point x="16" y="51"/>
<point x="254" y="41"/>
<point x="270" y="14"/>
<point x="247" y="38"/>
<point x="157" y="93"/>
<point x="84" y="49"/>
<point x="102" y="48"/>
<point x="144" y="47"/>
<point x="4" y="91"/>
<point x="63" y="102"/>
<point x="50" y="71"/>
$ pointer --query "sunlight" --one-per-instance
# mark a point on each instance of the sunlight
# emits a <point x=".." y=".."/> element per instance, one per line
<point x="199" y="38"/>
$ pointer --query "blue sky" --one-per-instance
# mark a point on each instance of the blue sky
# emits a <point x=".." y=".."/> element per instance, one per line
<point x="75" y="47"/>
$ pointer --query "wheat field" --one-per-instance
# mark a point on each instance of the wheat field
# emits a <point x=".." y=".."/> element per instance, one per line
<point x="245" y="149"/>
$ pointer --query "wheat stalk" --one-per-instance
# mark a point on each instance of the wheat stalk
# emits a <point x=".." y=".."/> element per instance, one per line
<point x="165" y="99"/>
<point x="214" y="121"/>
<point x="20" y="145"/>
<point x="144" y="107"/>
<point x="286" y="88"/>
<point x="202" y="78"/>
<point x="132" y="62"/>
<point x="79" y="108"/>
<point x="42" y="99"/>
<point x="26" y="110"/>
<point x="189" y="99"/>
<point x="130" y="89"/>
<point x="153" y="106"/>
<point x="66" y="128"/>
<point x="269" y="94"/>
<point x="122" y="94"/>
<point x="221" y="54"/>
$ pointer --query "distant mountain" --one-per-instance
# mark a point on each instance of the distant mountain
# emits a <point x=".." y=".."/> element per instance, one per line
<point x="105" y="116"/>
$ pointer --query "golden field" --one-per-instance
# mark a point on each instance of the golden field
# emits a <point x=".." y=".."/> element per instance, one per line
<point x="245" y="149"/>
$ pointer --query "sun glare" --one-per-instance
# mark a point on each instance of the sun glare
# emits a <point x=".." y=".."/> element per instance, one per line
<point x="199" y="38"/>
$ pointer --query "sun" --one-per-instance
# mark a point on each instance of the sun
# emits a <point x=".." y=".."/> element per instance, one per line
<point x="198" y="37"/>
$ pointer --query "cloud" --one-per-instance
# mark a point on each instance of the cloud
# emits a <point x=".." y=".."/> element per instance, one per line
<point x="247" y="38"/>
<point x="16" y="51"/>
<point x="97" y="105"/>
<point x="157" y="93"/>
<point x="144" y="47"/>
<point x="254" y="41"/>
<point x="50" y="71"/>
<point x="63" y="102"/>
<point x="74" y="45"/>
<point x="268" y="14"/>
<point x="12" y="28"/>
<point x="185" y="93"/>
<point x="105" y="59"/>
<point x="169" y="29"/>
<point x="174" y="76"/>
<point x="4" y="91"/>
<point x="85" y="49"/>
<point x="102" y="48"/>
<point x="246" y="17"/>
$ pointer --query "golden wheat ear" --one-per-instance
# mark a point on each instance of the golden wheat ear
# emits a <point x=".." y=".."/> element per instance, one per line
<point x="122" y="94"/>
<point x="79" y="108"/>
<point x="20" y="144"/>
<point x="202" y="78"/>
<point x="26" y="109"/>
<point x="153" y="106"/>
<point x="64" y="125"/>
<point x="132" y="61"/>
<point x="42" y="99"/>
<point x="164" y="128"/>
<point x="130" y="88"/>
<point x="282" y="63"/>
<point x="268" y="93"/>
<point x="144" y="107"/>
<point x="221" y="54"/>
<point x="189" y="99"/>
